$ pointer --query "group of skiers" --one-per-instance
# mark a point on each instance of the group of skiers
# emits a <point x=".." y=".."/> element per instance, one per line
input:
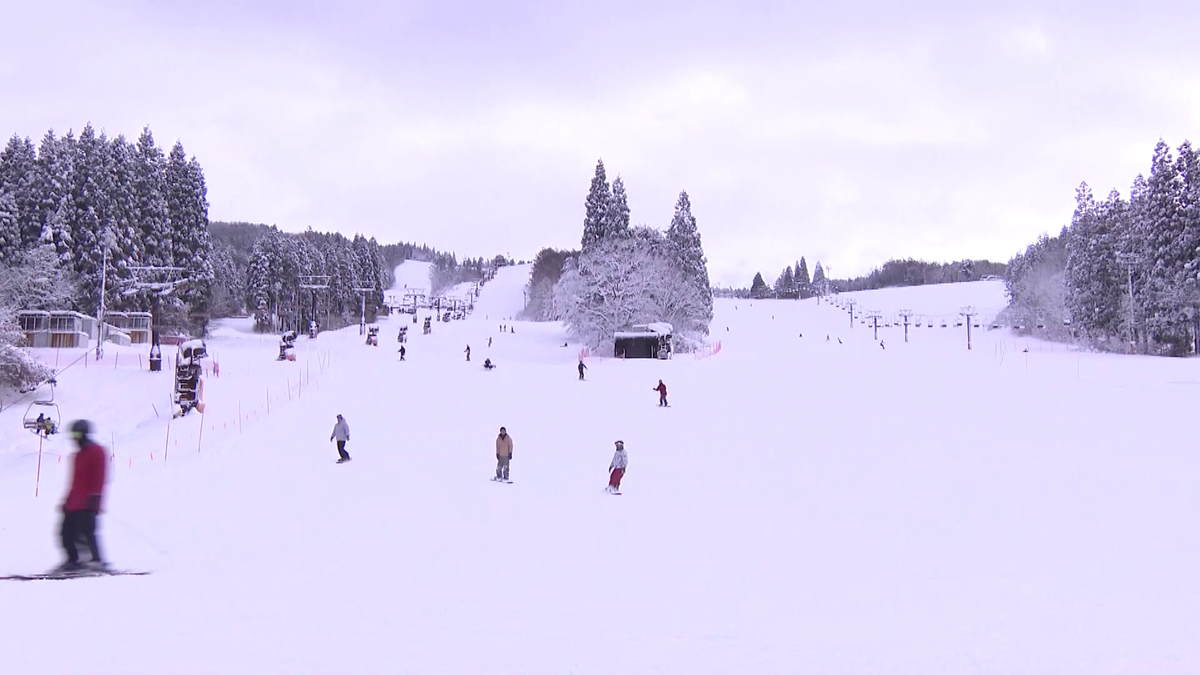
<point x="504" y="455"/>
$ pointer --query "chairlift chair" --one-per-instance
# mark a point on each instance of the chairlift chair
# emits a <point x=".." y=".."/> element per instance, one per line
<point x="43" y="416"/>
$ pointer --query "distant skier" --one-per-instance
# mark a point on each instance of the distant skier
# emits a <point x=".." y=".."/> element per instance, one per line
<point x="83" y="502"/>
<point x="488" y="365"/>
<point x="341" y="433"/>
<point x="581" y="368"/>
<point x="881" y="345"/>
<point x="468" y="351"/>
<point x="616" y="468"/>
<point x="504" y="453"/>
<point x="489" y="342"/>
<point x="662" y="393"/>
<point x="401" y="352"/>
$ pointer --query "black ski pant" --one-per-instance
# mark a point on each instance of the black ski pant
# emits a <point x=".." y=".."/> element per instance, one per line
<point x="662" y="399"/>
<point x="342" y="450"/>
<point x="76" y="526"/>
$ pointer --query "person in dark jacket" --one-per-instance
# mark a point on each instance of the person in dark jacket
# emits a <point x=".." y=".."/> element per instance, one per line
<point x="84" y="500"/>
<point x="581" y="368"/>
<point x="662" y="393"/>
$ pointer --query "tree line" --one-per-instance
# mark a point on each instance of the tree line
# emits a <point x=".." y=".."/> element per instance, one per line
<point x="1125" y="274"/>
<point x="624" y="275"/>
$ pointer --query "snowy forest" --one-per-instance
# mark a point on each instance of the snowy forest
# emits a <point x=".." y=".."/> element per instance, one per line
<point x="1124" y="275"/>
<point x="794" y="284"/>
<point x="624" y="275"/>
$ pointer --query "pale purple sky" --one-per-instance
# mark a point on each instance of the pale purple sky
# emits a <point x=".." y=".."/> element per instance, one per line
<point x="845" y="132"/>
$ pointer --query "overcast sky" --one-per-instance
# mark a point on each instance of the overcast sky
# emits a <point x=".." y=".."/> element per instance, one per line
<point x="845" y="132"/>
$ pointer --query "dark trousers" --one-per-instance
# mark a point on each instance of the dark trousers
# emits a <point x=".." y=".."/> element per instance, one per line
<point x="77" y="525"/>
<point x="342" y="450"/>
<point x="662" y="399"/>
<point x="614" y="478"/>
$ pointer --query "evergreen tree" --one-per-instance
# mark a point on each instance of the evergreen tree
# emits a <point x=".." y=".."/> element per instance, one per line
<point x="1093" y="278"/>
<point x="90" y="216"/>
<point x="803" y="284"/>
<point x="759" y="288"/>
<point x="785" y="284"/>
<point x="596" y="208"/>
<point x="618" y="209"/>
<point x="684" y="237"/>
<point x="18" y="177"/>
<point x="820" y="285"/>
<point x="150" y="200"/>
<point x="52" y="186"/>
<point x="10" y="228"/>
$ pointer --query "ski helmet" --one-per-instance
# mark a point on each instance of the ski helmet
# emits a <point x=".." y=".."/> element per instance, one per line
<point x="81" y="429"/>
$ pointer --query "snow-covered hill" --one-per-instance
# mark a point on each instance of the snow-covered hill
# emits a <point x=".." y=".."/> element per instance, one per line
<point x="504" y="296"/>
<point x="805" y="505"/>
<point x="410" y="275"/>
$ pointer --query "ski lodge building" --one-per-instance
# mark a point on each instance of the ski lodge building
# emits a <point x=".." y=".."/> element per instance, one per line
<point x="644" y="341"/>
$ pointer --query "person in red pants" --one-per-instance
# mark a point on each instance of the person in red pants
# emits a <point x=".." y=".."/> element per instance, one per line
<point x="616" y="468"/>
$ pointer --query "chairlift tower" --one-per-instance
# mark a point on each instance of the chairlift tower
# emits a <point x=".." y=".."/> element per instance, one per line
<point x="968" y="312"/>
<point x="907" y="314"/>
<point x="851" y="303"/>
<point x="874" y="317"/>
<point x="313" y="283"/>
<point x="362" y="321"/>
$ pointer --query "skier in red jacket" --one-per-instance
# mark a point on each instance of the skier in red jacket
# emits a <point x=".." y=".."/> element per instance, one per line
<point x="662" y="393"/>
<point x="84" y="500"/>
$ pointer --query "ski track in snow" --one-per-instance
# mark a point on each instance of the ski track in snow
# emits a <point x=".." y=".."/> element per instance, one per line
<point x="803" y="506"/>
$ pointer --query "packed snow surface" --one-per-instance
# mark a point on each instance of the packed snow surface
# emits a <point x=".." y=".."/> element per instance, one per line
<point x="804" y="505"/>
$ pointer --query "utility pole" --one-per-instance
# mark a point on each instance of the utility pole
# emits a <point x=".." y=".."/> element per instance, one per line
<point x="968" y="312"/>
<point x="851" y="302"/>
<point x="874" y="317"/>
<point x="1130" y="261"/>
<point x="907" y="314"/>
<point x="142" y="283"/>
<point x="107" y="242"/>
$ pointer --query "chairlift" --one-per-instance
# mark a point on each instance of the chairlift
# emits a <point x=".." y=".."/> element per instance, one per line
<point x="43" y="417"/>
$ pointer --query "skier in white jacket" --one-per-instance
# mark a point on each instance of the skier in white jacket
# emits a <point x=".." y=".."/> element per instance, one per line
<point x="341" y="433"/>
<point x="616" y="468"/>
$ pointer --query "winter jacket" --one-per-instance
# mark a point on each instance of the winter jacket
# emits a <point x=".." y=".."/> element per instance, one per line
<point x="341" y="431"/>
<point x="661" y="389"/>
<point x="504" y="446"/>
<point x="619" y="461"/>
<point x="87" y="479"/>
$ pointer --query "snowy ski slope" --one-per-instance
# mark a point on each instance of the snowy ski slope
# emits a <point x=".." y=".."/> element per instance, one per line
<point x="805" y="505"/>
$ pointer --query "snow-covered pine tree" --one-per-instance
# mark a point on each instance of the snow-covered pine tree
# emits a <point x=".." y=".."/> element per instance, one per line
<point x="689" y="256"/>
<point x="759" y="288"/>
<point x="150" y="199"/>
<point x="10" y="227"/>
<point x="1093" y="277"/>
<point x="785" y="284"/>
<point x="803" y="283"/>
<point x="127" y="248"/>
<point x="820" y="285"/>
<point x="52" y="179"/>
<point x="1164" y="228"/>
<point x="596" y="208"/>
<point x="18" y="174"/>
<point x="618" y="209"/>
<point x="90" y="215"/>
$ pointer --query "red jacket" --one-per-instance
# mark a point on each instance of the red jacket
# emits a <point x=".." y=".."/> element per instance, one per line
<point x="87" y="482"/>
<point x="661" y="389"/>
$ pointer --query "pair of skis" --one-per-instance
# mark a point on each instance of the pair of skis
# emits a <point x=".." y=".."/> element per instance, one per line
<point x="85" y="573"/>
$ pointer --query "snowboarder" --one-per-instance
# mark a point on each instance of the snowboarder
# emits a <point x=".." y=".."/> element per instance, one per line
<point x="83" y="502"/>
<point x="488" y="365"/>
<point x="662" y="393"/>
<point x="341" y="433"/>
<point x="468" y="351"/>
<point x="401" y="352"/>
<point x="504" y="453"/>
<point x="616" y="468"/>
<point x="581" y="368"/>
